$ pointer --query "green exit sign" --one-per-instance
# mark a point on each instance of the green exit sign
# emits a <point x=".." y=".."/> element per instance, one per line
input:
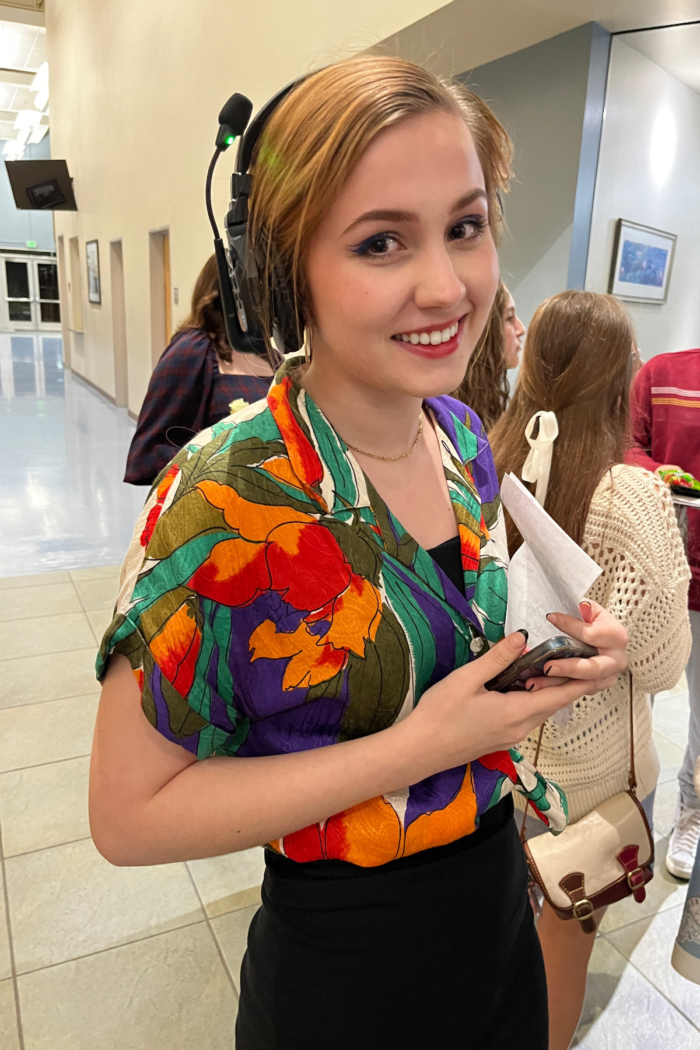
<point x="31" y="244"/>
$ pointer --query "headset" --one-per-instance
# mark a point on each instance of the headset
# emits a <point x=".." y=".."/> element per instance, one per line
<point x="237" y="266"/>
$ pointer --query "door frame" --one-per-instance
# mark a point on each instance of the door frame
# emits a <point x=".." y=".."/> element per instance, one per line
<point x="119" y="346"/>
<point x="32" y="259"/>
<point x="161" y="311"/>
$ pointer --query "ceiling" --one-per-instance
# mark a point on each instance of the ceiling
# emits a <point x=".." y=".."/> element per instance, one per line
<point x="464" y="34"/>
<point x="676" y="49"/>
<point x="22" y="51"/>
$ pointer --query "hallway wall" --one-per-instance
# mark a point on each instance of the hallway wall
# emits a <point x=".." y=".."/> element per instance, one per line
<point x="539" y="94"/>
<point x="649" y="159"/>
<point x="136" y="87"/>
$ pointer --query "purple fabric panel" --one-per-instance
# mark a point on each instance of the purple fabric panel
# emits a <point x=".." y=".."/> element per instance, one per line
<point x="258" y="683"/>
<point x="434" y="793"/>
<point x="301" y="728"/>
<point x="218" y="712"/>
<point x="482" y="466"/>
<point x="445" y="409"/>
<point x="442" y="629"/>
<point x="162" y="715"/>
<point x="461" y="606"/>
<point x="485" y="783"/>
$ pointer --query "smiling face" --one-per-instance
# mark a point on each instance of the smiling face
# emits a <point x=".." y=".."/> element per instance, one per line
<point x="403" y="269"/>
<point x="513" y="332"/>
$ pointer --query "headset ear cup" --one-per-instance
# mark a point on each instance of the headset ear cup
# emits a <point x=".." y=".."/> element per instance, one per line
<point x="285" y="314"/>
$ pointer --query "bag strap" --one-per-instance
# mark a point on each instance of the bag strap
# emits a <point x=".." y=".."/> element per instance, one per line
<point x="631" y="780"/>
<point x="537" y="755"/>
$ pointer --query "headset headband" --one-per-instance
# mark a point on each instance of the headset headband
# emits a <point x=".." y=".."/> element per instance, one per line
<point x="248" y="141"/>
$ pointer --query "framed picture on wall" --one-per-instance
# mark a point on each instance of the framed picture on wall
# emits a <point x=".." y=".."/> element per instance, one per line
<point x="641" y="263"/>
<point x="93" y="272"/>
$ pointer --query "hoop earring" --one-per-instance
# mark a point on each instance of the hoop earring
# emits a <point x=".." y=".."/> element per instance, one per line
<point x="308" y="346"/>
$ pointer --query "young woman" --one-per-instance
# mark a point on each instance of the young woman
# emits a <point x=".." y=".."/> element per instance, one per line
<point x="578" y="363"/>
<point x="194" y="383"/>
<point x="513" y="332"/>
<point x="306" y="596"/>
<point x="485" y="385"/>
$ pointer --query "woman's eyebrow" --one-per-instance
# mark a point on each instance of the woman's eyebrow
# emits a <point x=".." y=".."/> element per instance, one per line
<point x="393" y="215"/>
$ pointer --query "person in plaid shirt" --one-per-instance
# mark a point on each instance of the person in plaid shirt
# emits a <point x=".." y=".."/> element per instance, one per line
<point x="194" y="384"/>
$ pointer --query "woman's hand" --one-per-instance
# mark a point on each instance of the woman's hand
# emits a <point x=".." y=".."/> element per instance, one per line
<point x="599" y="628"/>
<point x="458" y="719"/>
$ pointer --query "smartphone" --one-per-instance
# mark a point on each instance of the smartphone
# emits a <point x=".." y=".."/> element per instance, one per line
<point x="531" y="664"/>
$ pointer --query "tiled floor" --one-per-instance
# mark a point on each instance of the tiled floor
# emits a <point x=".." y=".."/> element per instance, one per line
<point x="91" y="956"/>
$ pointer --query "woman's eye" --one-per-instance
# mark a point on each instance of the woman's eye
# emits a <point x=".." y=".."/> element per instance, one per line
<point x="469" y="229"/>
<point x="378" y="244"/>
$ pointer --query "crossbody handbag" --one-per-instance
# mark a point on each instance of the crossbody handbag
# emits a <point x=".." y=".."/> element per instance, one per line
<point x="605" y="856"/>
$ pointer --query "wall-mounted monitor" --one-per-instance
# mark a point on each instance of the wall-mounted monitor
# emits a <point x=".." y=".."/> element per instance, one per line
<point x="41" y="185"/>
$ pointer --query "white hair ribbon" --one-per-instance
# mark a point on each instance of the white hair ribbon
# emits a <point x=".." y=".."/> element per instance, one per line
<point x="539" y="460"/>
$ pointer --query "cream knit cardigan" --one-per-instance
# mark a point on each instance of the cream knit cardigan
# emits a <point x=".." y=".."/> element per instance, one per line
<point x="631" y="532"/>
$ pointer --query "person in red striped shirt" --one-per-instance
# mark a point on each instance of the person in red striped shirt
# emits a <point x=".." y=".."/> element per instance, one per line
<point x="666" y="436"/>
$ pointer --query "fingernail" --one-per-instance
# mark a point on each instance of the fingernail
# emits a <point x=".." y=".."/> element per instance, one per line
<point x="530" y="686"/>
<point x="548" y="669"/>
<point x="514" y="641"/>
<point x="525" y="634"/>
<point x="586" y="602"/>
<point x="550" y="615"/>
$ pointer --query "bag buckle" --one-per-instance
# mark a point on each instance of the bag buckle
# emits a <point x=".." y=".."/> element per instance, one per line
<point x="635" y="879"/>
<point x="583" y="909"/>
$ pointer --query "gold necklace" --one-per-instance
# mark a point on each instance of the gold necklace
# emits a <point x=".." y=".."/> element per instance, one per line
<point x="392" y="459"/>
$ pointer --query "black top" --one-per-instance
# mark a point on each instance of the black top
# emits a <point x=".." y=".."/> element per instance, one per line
<point x="448" y="556"/>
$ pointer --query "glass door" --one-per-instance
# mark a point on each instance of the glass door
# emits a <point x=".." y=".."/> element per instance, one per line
<point x="31" y="299"/>
<point x="49" y="312"/>
<point x="18" y="296"/>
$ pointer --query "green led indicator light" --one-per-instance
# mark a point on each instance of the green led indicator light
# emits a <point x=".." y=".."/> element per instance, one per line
<point x="230" y="139"/>
<point x="31" y="244"/>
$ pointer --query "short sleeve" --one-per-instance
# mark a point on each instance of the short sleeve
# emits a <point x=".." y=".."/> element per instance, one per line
<point x="174" y="636"/>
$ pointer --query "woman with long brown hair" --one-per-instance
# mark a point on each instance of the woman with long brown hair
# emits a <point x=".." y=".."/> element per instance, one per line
<point x="485" y="385"/>
<point x="565" y="432"/>
<point x="196" y="381"/>
<point x="313" y="602"/>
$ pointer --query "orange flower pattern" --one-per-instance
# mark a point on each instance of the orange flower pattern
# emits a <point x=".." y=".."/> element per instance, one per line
<point x="279" y="605"/>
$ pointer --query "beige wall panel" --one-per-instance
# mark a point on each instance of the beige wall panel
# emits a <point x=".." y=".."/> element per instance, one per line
<point x="136" y="86"/>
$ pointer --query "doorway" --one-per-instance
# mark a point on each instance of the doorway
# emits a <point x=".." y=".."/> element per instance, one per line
<point x="121" y="374"/>
<point x="30" y="296"/>
<point x="161" y="312"/>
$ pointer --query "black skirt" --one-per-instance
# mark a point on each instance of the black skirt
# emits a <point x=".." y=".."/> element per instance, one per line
<point x="435" y="950"/>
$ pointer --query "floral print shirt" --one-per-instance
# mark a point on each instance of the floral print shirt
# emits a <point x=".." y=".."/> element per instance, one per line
<point x="271" y="602"/>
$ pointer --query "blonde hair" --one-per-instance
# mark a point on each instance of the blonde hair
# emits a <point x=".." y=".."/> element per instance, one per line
<point x="313" y="142"/>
